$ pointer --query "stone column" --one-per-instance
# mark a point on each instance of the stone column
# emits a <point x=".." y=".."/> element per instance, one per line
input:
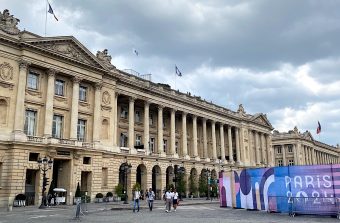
<point x="242" y="147"/>
<point x="20" y="102"/>
<point x="74" y="108"/>
<point x="222" y="142"/>
<point x="131" y="122"/>
<point x="252" y="149"/>
<point x="237" y="138"/>
<point x="213" y="137"/>
<point x="173" y="132"/>
<point x="264" y="161"/>
<point x="296" y="160"/>
<point x="205" y="141"/>
<point x="257" y="148"/>
<point x="160" y="129"/>
<point x="184" y="136"/>
<point x="313" y="156"/>
<point x="284" y="155"/>
<point x="194" y="135"/>
<point x="269" y="150"/>
<point x="96" y="112"/>
<point x="114" y="117"/>
<point x="298" y="152"/>
<point x="49" y="103"/>
<point x="230" y="145"/>
<point x="147" y="127"/>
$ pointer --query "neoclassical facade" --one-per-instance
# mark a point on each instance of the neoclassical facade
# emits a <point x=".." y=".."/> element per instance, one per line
<point x="58" y="100"/>
<point x="296" y="148"/>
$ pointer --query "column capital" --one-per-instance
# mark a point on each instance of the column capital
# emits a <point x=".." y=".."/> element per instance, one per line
<point x="23" y="64"/>
<point x="173" y="110"/>
<point x="160" y="107"/>
<point x="213" y="122"/>
<point x="194" y="117"/>
<point x="184" y="113"/>
<point x="76" y="80"/>
<point x="204" y="119"/>
<point x="147" y="102"/>
<point x="132" y="98"/>
<point x="98" y="85"/>
<point x="51" y="72"/>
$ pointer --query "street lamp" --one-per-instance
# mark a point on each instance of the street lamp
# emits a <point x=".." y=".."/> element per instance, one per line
<point x="44" y="165"/>
<point x="208" y="175"/>
<point x="126" y="167"/>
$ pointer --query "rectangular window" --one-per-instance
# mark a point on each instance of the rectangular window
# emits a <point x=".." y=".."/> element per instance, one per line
<point x="138" y="140"/>
<point x="123" y="140"/>
<point x="57" y="126"/>
<point x="176" y="147"/>
<point x="104" y="177"/>
<point x="138" y="116"/>
<point x="165" y="145"/>
<point x="152" y="145"/>
<point x="33" y="157"/>
<point x="279" y="150"/>
<point x="81" y="130"/>
<point x="280" y="163"/>
<point x="59" y="88"/>
<point x="86" y="160"/>
<point x="150" y="119"/>
<point x="291" y="162"/>
<point x="124" y="112"/>
<point x="30" y="122"/>
<point x="290" y="148"/>
<point x="32" y="80"/>
<point x="82" y="93"/>
<point x="164" y="123"/>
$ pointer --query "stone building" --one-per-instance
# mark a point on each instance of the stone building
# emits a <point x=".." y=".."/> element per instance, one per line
<point x="295" y="148"/>
<point x="58" y="100"/>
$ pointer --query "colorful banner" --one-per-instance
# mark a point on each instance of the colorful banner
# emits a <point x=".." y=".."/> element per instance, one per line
<point x="281" y="189"/>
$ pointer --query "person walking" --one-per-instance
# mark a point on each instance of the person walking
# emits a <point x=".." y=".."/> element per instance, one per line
<point x="168" y="197"/>
<point x="151" y="198"/>
<point x="136" y="197"/>
<point x="175" y="199"/>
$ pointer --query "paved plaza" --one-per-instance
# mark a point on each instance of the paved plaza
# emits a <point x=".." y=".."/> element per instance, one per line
<point x="196" y="213"/>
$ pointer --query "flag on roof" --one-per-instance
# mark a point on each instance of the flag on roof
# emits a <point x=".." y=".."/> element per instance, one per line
<point x="50" y="10"/>
<point x="178" y="72"/>
<point x="318" y="129"/>
<point x="135" y="52"/>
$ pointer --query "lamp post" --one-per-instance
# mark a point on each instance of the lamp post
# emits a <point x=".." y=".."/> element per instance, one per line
<point x="44" y="165"/>
<point x="208" y="174"/>
<point x="126" y="167"/>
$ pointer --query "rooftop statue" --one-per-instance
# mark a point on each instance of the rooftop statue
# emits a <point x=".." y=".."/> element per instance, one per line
<point x="8" y="23"/>
<point x="105" y="58"/>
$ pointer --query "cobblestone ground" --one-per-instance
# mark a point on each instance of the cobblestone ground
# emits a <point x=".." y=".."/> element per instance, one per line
<point x="194" y="213"/>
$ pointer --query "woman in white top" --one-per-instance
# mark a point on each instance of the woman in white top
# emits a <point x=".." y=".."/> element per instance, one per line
<point x="175" y="199"/>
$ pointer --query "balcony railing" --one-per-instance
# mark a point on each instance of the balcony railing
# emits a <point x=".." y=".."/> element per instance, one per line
<point x="87" y="145"/>
<point x="67" y="142"/>
<point x="35" y="139"/>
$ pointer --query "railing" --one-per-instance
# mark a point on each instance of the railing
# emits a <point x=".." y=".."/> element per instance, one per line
<point x="67" y="141"/>
<point x="87" y="145"/>
<point x="137" y="74"/>
<point x="35" y="139"/>
<point x="124" y="150"/>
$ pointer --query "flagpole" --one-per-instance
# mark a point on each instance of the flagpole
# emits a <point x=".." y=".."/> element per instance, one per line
<point x="45" y="17"/>
<point x="175" y="78"/>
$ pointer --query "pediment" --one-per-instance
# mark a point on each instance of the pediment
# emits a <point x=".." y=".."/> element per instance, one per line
<point x="67" y="47"/>
<point x="262" y="119"/>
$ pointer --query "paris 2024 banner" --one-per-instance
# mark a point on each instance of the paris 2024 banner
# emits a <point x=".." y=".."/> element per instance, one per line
<point x="310" y="188"/>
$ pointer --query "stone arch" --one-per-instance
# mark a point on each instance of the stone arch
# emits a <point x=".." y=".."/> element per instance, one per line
<point x="169" y="177"/>
<point x="157" y="181"/>
<point x="141" y="177"/>
<point x="105" y="129"/>
<point x="3" y="111"/>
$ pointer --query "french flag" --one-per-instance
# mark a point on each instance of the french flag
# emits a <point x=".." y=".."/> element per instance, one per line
<point x="318" y="129"/>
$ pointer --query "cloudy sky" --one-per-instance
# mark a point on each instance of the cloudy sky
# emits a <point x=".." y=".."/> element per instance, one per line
<point x="277" y="57"/>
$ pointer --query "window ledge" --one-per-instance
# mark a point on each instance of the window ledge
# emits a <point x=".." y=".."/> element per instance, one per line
<point x="60" y="97"/>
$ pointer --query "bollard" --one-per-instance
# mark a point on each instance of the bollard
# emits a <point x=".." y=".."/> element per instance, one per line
<point x="10" y="207"/>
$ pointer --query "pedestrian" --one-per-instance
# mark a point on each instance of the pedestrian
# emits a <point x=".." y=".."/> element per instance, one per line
<point x="175" y="199"/>
<point x="136" y="197"/>
<point x="151" y="198"/>
<point x="168" y="197"/>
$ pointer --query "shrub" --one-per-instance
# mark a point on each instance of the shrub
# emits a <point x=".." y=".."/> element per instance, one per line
<point x="109" y="194"/>
<point x="119" y="190"/>
<point x="99" y="195"/>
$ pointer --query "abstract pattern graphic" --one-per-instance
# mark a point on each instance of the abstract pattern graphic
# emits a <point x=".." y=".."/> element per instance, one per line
<point x="275" y="189"/>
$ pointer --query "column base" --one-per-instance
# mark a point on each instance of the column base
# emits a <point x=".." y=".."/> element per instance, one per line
<point x="162" y="154"/>
<point x="175" y="155"/>
<point x="18" y="135"/>
<point x="197" y="158"/>
<point x="186" y="157"/>
<point x="207" y="159"/>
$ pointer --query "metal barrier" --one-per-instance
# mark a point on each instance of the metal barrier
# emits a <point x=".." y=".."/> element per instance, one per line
<point x="305" y="205"/>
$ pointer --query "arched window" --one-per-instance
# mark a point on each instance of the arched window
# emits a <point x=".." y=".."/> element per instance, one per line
<point x="3" y="111"/>
<point x="105" y="129"/>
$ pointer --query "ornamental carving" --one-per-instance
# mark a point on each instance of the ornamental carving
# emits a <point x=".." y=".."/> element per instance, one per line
<point x="106" y="98"/>
<point x="6" y="71"/>
<point x="104" y="57"/>
<point x="8" y="23"/>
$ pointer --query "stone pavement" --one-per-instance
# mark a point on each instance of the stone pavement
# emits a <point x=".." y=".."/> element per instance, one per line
<point x="94" y="207"/>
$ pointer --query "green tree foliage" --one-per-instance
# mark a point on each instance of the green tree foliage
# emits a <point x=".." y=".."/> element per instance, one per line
<point x="192" y="184"/>
<point x="203" y="184"/>
<point x="181" y="184"/>
<point x="119" y="190"/>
